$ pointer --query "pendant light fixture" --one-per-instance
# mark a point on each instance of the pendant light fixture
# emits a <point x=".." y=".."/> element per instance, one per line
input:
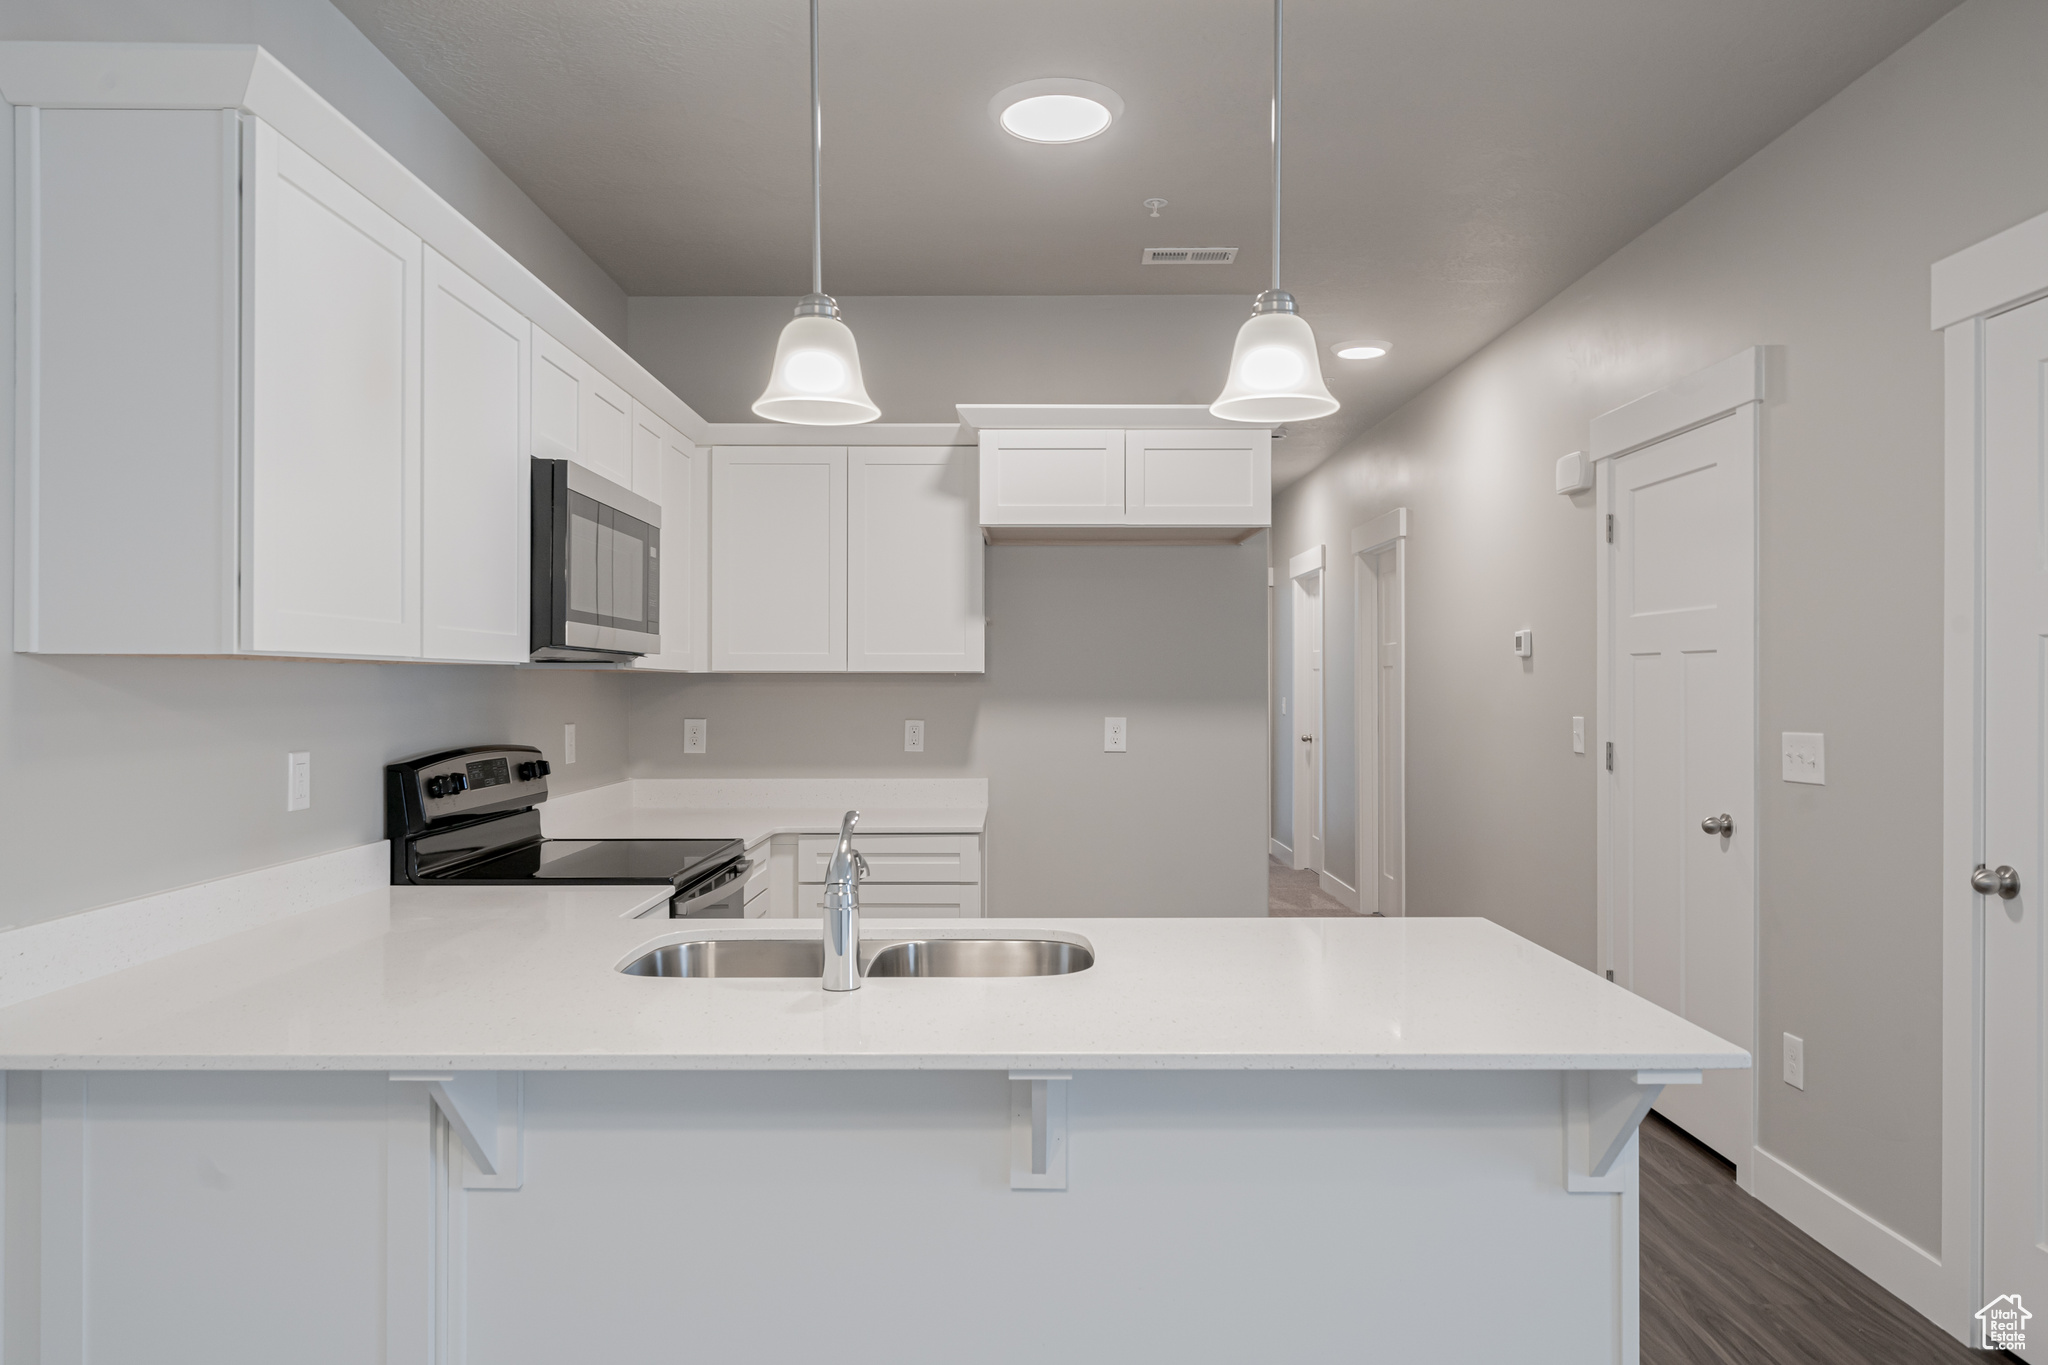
<point x="1275" y="372"/>
<point x="816" y="380"/>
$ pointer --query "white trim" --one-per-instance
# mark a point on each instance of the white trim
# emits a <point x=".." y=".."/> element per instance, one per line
<point x="1305" y="563"/>
<point x="1281" y="851"/>
<point x="876" y="434"/>
<point x="1089" y="416"/>
<point x="1692" y="401"/>
<point x="39" y="958"/>
<point x="1380" y="532"/>
<point x="1338" y="890"/>
<point x="1903" y="1267"/>
<point x="1996" y="274"/>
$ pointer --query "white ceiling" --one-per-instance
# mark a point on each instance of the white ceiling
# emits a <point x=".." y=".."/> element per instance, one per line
<point x="1449" y="165"/>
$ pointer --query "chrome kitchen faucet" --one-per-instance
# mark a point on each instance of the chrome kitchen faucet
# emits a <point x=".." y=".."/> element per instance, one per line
<point x="842" y="910"/>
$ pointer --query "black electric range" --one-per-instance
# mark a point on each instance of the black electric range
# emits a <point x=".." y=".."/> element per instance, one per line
<point x="470" y="817"/>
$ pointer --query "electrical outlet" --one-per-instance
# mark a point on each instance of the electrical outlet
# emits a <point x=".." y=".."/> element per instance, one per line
<point x="1578" y="734"/>
<point x="1113" y="734"/>
<point x="1795" y="1062"/>
<point x="298" y="781"/>
<point x="913" y="736"/>
<point x="696" y="734"/>
<point x="568" y="744"/>
<point x="1805" y="757"/>
<point x="1525" y="644"/>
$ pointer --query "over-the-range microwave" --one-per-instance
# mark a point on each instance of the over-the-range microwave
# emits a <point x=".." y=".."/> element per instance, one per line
<point x="596" y="566"/>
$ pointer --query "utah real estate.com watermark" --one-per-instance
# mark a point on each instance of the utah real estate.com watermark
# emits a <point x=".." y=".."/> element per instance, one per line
<point x="2004" y="1322"/>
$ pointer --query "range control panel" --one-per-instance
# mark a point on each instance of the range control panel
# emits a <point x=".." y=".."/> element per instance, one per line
<point x="472" y="781"/>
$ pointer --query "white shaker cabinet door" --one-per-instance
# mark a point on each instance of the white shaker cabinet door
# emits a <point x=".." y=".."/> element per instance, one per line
<point x="778" y="559"/>
<point x="672" y="471"/>
<point x="578" y="414"/>
<point x="914" y="561"/>
<point x="607" y="428"/>
<point x="1052" y="478"/>
<point x="1198" y="478"/>
<point x="477" y="537"/>
<point x="331" y="466"/>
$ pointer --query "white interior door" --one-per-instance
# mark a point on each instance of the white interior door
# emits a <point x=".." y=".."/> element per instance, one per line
<point x="1381" y="727"/>
<point x="1682" y="591"/>
<point x="331" y="502"/>
<point x="1307" y="574"/>
<point x="914" y="560"/>
<point x="778" y="559"/>
<point x="477" y="539"/>
<point x="2015" y="727"/>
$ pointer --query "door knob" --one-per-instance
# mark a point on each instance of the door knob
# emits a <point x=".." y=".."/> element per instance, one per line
<point x="1308" y="739"/>
<point x="2002" y="882"/>
<point x="1723" y="825"/>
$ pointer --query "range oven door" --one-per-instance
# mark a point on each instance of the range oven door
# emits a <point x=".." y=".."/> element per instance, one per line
<point x="722" y="895"/>
<point x="596" y="566"/>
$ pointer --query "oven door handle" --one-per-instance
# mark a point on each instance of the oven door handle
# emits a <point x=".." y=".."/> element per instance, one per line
<point x="738" y="872"/>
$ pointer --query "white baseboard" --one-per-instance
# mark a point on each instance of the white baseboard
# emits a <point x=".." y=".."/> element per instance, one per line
<point x="39" y="958"/>
<point x="1337" y="889"/>
<point x="1281" y="851"/>
<point x="1903" y="1267"/>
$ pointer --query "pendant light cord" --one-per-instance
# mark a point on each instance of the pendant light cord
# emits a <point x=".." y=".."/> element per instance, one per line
<point x="817" y="166"/>
<point x="1276" y="137"/>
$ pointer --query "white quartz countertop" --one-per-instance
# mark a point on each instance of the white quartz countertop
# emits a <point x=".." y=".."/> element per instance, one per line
<point x="752" y="809"/>
<point x="511" y="978"/>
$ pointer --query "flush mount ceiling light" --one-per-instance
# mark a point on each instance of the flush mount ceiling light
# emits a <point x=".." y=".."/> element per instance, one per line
<point x="1360" y="350"/>
<point x="1055" y="109"/>
<point x="816" y="379"/>
<point x="1276" y="374"/>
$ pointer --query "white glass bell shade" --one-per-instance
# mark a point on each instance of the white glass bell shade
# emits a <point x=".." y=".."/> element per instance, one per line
<point x="816" y="381"/>
<point x="1275" y="375"/>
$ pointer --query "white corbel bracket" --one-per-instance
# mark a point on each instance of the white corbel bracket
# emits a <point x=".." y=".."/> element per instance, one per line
<point x="1603" y="1109"/>
<point x="1038" y="1129"/>
<point x="483" y="1111"/>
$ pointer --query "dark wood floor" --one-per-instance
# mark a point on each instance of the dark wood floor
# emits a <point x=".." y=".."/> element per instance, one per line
<point x="1728" y="1282"/>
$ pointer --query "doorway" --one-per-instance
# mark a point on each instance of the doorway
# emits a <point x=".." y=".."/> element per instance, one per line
<point x="1379" y="558"/>
<point x="1678" y="681"/>
<point x="1305" y="572"/>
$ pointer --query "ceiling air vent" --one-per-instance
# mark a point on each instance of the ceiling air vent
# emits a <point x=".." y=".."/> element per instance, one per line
<point x="1190" y="255"/>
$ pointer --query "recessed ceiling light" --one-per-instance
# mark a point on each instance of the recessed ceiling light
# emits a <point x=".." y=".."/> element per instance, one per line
<point x="1361" y="350"/>
<point x="1055" y="109"/>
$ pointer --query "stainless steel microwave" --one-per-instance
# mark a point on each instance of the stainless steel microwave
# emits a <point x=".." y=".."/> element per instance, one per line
<point x="596" y="566"/>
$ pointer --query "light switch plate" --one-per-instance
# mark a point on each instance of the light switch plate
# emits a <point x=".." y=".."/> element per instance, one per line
<point x="1805" y="758"/>
<point x="1525" y="643"/>
<point x="1578" y="734"/>
<point x="568" y="744"/>
<point x="1113" y="735"/>
<point x="696" y="733"/>
<point x="1795" y="1062"/>
<point x="913" y="736"/>
<point x="298" y="781"/>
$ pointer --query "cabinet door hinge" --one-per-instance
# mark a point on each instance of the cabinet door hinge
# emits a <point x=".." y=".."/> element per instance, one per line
<point x="1610" y="755"/>
<point x="1610" y="528"/>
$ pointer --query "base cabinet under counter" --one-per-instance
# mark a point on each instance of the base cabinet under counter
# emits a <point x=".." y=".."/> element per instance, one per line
<point x="910" y="876"/>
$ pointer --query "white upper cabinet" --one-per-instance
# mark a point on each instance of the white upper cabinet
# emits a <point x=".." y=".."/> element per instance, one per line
<point x="578" y="414"/>
<point x="331" y="431"/>
<point x="475" y="558"/>
<point x="1052" y="478"/>
<point x="1198" y="478"/>
<point x="675" y="473"/>
<point x="778" y="559"/>
<point x="914" y="561"/>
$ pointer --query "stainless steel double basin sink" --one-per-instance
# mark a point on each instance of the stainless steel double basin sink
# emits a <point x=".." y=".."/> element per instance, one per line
<point x="801" y="957"/>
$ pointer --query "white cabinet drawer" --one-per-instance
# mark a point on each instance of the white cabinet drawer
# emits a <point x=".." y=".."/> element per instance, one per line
<point x="896" y="857"/>
<point x="880" y="901"/>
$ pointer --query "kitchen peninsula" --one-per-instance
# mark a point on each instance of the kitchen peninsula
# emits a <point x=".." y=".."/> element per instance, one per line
<point x="442" y="1124"/>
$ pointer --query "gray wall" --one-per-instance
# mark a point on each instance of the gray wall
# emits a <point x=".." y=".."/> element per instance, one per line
<point x="1818" y="246"/>
<point x="119" y="777"/>
<point x="1173" y="638"/>
<point x="318" y="44"/>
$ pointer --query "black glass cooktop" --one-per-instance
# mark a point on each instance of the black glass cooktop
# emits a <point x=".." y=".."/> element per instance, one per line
<point x="602" y="860"/>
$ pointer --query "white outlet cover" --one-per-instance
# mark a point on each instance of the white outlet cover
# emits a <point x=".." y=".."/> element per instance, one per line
<point x="298" y="781"/>
<point x="1795" y="1062"/>
<point x="1805" y="757"/>
<point x="568" y="744"/>
<point x="1578" y="734"/>
<point x="913" y="736"/>
<point x="696" y="735"/>
<point x="1115" y="735"/>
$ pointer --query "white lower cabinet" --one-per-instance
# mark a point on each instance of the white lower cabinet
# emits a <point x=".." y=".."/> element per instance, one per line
<point x="778" y="559"/>
<point x="910" y="876"/>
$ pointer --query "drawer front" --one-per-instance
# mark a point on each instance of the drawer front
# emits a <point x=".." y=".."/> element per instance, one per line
<point x="877" y="901"/>
<point x="896" y="857"/>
